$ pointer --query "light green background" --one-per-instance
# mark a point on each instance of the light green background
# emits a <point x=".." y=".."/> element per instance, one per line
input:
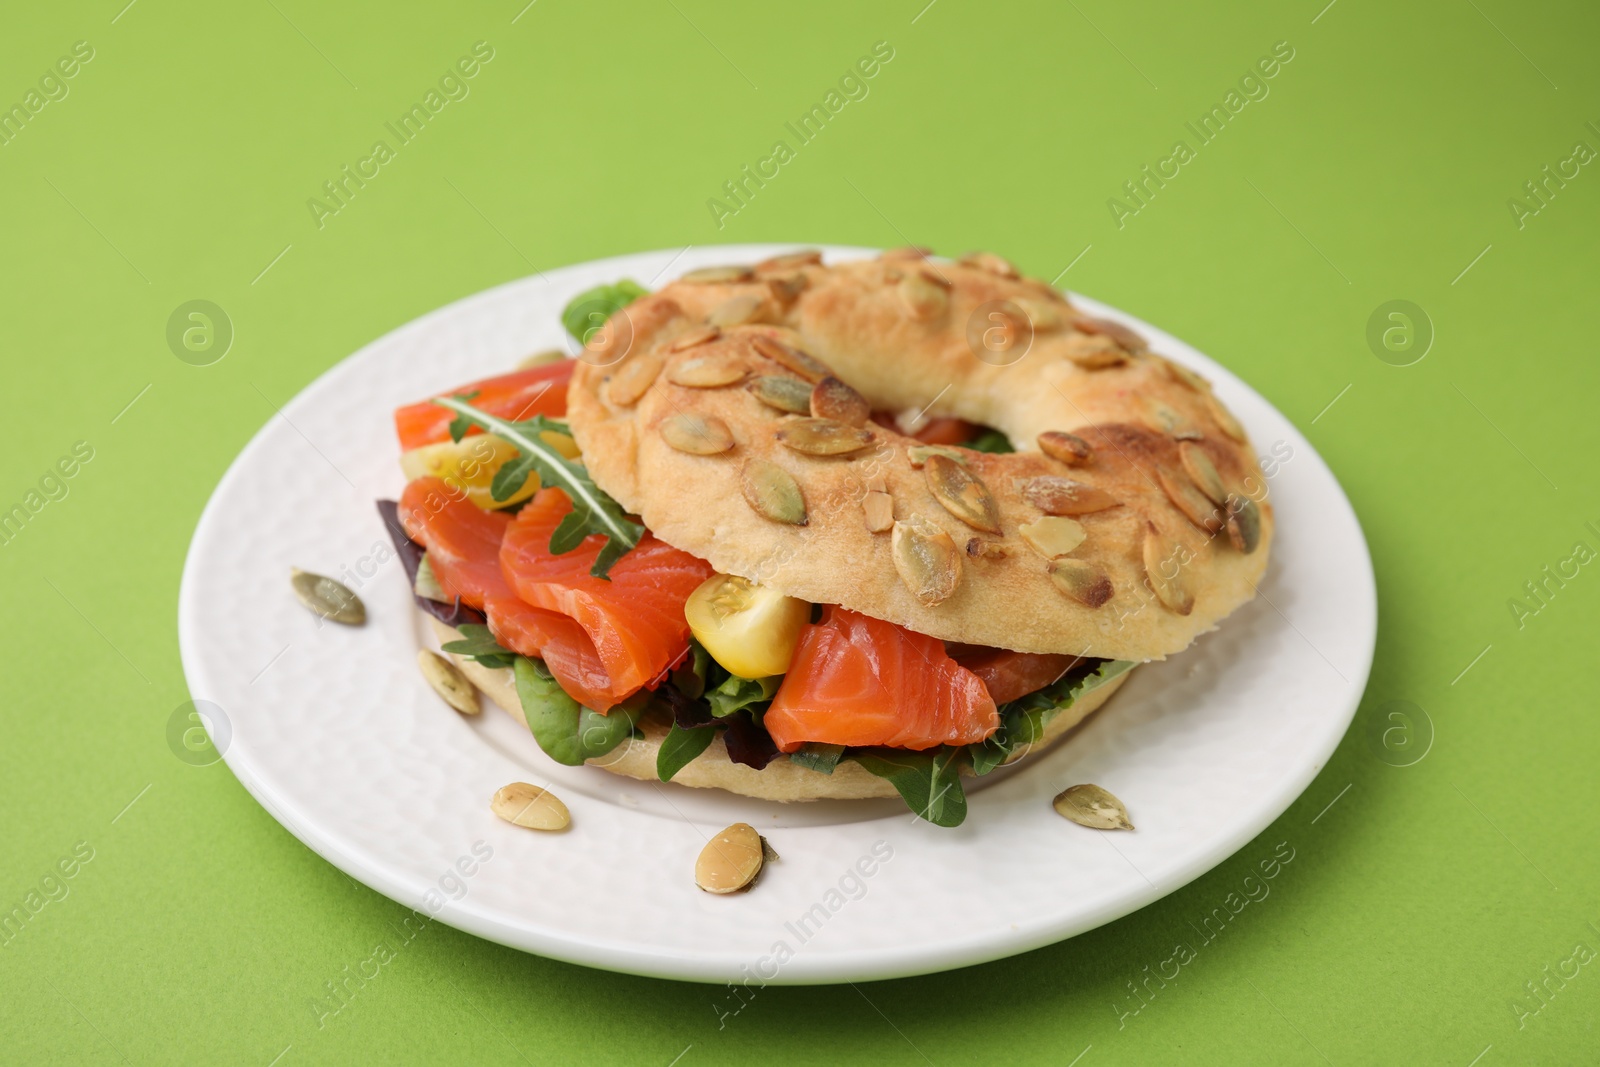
<point x="1378" y="168"/>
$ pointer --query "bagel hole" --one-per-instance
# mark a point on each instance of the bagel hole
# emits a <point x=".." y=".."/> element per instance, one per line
<point x="945" y="430"/>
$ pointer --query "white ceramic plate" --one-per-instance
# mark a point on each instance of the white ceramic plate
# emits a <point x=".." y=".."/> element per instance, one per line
<point x="334" y="731"/>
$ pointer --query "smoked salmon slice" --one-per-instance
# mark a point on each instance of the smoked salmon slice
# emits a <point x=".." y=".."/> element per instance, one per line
<point x="860" y="681"/>
<point x="463" y="543"/>
<point x="1009" y="675"/>
<point x="635" y="619"/>
<point x="538" y="390"/>
<point x="462" y="539"/>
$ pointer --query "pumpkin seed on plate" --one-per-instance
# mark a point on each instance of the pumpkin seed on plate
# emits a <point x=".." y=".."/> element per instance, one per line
<point x="326" y="598"/>
<point x="448" y="681"/>
<point x="732" y="860"/>
<point x="772" y="492"/>
<point x="1091" y="806"/>
<point x="527" y="805"/>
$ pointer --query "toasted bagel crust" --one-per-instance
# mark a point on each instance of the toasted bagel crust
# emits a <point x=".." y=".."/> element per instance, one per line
<point x="781" y="779"/>
<point x="907" y="333"/>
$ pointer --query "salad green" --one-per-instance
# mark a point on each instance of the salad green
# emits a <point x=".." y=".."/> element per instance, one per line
<point x="593" y="511"/>
<point x="478" y="644"/>
<point x="589" y="310"/>
<point x="568" y="732"/>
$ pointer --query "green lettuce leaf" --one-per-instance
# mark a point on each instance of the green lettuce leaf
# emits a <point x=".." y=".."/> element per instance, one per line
<point x="568" y="732"/>
<point x="461" y="424"/>
<point x="735" y="694"/>
<point x="479" y="644"/>
<point x="588" y="311"/>
<point x="1023" y="721"/>
<point x="929" y="782"/>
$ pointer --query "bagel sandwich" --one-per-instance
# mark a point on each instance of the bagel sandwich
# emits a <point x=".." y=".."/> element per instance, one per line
<point x="800" y="530"/>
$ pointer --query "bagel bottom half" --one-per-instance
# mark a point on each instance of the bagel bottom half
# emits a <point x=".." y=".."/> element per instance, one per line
<point x="781" y="779"/>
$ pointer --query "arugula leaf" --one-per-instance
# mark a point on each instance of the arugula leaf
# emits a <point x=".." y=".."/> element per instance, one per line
<point x="816" y="756"/>
<point x="991" y="441"/>
<point x="568" y="732"/>
<point x="735" y="694"/>
<point x="929" y="782"/>
<point x="1111" y="668"/>
<point x="593" y="512"/>
<point x="461" y="424"/>
<point x="479" y="644"/>
<point x="1023" y="721"/>
<point x="588" y="311"/>
<point x="680" y="747"/>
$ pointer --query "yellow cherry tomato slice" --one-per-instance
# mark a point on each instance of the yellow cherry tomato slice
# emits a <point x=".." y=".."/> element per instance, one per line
<point x="470" y="465"/>
<point x="749" y="629"/>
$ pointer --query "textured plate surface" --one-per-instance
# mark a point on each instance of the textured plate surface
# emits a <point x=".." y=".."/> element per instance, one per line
<point x="335" y="732"/>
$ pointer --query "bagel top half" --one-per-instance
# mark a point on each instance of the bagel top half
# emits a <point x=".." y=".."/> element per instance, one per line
<point x="1131" y="518"/>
